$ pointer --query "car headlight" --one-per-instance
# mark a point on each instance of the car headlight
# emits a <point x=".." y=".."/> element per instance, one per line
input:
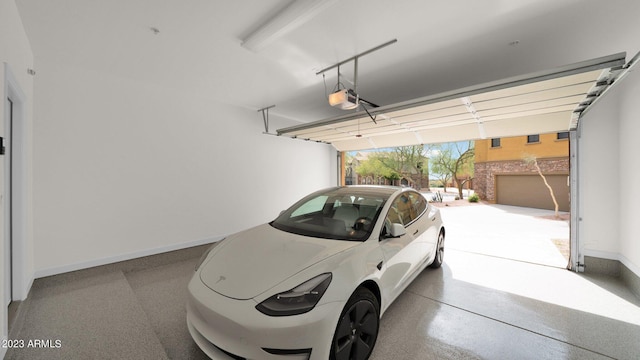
<point x="298" y="300"/>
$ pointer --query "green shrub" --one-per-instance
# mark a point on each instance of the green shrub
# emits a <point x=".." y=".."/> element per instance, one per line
<point x="474" y="198"/>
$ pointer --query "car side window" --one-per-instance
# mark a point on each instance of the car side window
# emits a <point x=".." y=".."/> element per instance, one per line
<point x="405" y="209"/>
<point x="400" y="212"/>
<point x="393" y="216"/>
<point x="418" y="202"/>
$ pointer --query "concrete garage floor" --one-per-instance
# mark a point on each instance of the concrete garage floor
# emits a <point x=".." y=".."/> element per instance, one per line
<point x="510" y="232"/>
<point x="474" y="307"/>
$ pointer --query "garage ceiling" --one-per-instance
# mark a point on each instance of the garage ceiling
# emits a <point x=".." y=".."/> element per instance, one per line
<point x="193" y="47"/>
<point x="548" y="101"/>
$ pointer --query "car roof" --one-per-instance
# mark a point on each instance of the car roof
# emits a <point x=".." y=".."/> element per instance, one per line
<point x="373" y="189"/>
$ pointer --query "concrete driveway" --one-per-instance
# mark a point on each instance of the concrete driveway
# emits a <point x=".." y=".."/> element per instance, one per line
<point x="512" y="232"/>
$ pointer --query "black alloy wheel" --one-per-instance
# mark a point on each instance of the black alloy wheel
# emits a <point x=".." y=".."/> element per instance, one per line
<point x="357" y="328"/>
<point x="439" y="259"/>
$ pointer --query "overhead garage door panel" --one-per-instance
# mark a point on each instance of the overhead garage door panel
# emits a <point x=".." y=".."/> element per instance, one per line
<point x="429" y="136"/>
<point x="511" y="105"/>
<point x="523" y="111"/>
<point x="422" y="115"/>
<point x="566" y="110"/>
<point x="398" y="138"/>
<point x="534" y="124"/>
<point x="358" y="143"/>
<point x="455" y="133"/>
<point x="584" y="79"/>
<point x="391" y="133"/>
<point x="543" y="102"/>
<point x="428" y="107"/>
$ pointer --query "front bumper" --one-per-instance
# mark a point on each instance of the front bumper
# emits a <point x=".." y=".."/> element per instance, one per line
<point x="219" y="324"/>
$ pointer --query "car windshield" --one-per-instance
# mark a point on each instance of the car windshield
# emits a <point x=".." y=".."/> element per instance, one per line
<point x="341" y="214"/>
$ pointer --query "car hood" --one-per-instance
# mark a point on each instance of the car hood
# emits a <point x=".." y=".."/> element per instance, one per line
<point x="253" y="261"/>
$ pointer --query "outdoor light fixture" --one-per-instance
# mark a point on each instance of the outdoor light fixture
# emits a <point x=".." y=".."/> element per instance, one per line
<point x="289" y="18"/>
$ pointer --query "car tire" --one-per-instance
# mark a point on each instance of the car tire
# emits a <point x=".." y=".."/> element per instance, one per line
<point x="357" y="329"/>
<point x="439" y="258"/>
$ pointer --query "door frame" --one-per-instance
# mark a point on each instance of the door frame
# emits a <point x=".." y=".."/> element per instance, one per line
<point x="17" y="216"/>
<point x="576" y="258"/>
<point x="7" y="207"/>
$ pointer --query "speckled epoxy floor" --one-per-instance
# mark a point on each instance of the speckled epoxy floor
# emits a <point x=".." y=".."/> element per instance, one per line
<point x="481" y="307"/>
<point x="474" y="307"/>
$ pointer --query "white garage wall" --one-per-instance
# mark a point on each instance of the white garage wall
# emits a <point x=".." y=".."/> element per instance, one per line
<point x="597" y="177"/>
<point x="126" y="169"/>
<point x="608" y="170"/>
<point x="16" y="52"/>
<point x="629" y="171"/>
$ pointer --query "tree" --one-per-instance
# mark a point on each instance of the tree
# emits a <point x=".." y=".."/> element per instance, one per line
<point x="531" y="160"/>
<point x="395" y="163"/>
<point x="377" y="165"/>
<point x="409" y="161"/>
<point x="443" y="178"/>
<point x="456" y="160"/>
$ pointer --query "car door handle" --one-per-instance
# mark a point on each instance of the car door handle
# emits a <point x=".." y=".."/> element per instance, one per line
<point x="433" y="218"/>
<point x="379" y="266"/>
<point x="415" y="232"/>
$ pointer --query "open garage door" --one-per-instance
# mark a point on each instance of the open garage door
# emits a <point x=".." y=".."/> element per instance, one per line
<point x="543" y="102"/>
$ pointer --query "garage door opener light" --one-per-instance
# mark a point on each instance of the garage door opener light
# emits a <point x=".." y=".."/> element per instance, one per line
<point x="349" y="99"/>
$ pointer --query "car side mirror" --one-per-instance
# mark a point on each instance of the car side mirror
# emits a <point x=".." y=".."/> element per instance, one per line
<point x="397" y="230"/>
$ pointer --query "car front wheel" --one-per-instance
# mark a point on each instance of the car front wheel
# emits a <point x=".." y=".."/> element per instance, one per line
<point x="439" y="258"/>
<point x="357" y="328"/>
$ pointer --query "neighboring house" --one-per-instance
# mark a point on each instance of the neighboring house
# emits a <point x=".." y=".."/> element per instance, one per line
<point x="417" y="176"/>
<point x="410" y="176"/>
<point x="502" y="176"/>
<point x="351" y="176"/>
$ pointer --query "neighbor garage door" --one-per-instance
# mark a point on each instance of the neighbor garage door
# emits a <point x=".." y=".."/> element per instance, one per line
<point x="530" y="191"/>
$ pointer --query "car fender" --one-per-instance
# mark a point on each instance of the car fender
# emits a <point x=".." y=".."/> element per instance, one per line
<point x="349" y="268"/>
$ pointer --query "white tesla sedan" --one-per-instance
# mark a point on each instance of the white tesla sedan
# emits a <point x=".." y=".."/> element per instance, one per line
<point x="313" y="283"/>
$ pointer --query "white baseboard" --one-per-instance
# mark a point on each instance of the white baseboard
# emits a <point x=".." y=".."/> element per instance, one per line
<point x="114" y="259"/>
<point x="613" y="256"/>
<point x="27" y="288"/>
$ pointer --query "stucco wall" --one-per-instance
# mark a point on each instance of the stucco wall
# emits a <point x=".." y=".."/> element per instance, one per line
<point x="516" y="148"/>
